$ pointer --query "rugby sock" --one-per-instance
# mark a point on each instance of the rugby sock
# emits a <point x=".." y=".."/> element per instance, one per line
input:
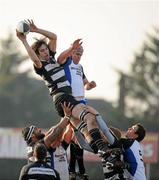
<point x="82" y="141"/>
<point x="93" y="146"/>
<point x="100" y="144"/>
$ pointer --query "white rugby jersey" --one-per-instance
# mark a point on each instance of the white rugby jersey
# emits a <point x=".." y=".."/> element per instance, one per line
<point x="61" y="163"/>
<point x="75" y="75"/>
<point x="133" y="155"/>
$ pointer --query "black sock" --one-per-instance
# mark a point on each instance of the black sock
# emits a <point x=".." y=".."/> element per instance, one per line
<point x="93" y="146"/>
<point x="100" y="144"/>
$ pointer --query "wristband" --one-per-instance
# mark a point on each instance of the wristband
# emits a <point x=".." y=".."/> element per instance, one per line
<point x="67" y="117"/>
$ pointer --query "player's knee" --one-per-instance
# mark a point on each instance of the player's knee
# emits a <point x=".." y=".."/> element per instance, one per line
<point x="88" y="117"/>
<point x="81" y="126"/>
<point x="85" y="116"/>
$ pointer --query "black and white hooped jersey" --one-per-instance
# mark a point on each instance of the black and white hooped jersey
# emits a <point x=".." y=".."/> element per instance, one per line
<point x="38" y="170"/>
<point x="108" y="162"/>
<point x="49" y="156"/>
<point x="56" y="158"/>
<point x="54" y="76"/>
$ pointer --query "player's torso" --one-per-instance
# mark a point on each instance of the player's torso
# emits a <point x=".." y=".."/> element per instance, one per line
<point x="133" y="155"/>
<point x="75" y="75"/>
<point x="61" y="163"/>
<point x="54" y="76"/>
<point x="39" y="170"/>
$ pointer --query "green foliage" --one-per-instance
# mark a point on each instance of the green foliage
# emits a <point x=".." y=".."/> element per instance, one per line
<point x="23" y="100"/>
<point x="10" y="56"/>
<point x="141" y="85"/>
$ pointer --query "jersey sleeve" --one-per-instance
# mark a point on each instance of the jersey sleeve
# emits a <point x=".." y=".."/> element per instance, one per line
<point x="64" y="144"/>
<point x="126" y="143"/>
<point x="57" y="175"/>
<point x="52" y="53"/>
<point x="122" y="143"/>
<point x="38" y="70"/>
<point x="23" y="173"/>
<point x="84" y="76"/>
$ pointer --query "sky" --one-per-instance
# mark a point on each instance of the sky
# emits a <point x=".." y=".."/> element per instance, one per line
<point x="111" y="30"/>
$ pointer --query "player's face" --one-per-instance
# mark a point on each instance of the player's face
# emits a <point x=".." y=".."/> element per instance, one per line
<point x="131" y="132"/>
<point x="44" y="52"/>
<point x="38" y="134"/>
<point x="76" y="55"/>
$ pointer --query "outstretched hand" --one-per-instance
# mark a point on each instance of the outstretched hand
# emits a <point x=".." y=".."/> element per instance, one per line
<point x="21" y="36"/>
<point x="90" y="85"/>
<point x="91" y="110"/>
<point x="67" y="108"/>
<point x="77" y="43"/>
<point x="33" y="27"/>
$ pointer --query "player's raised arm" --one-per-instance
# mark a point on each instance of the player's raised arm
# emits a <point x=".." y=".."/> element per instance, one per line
<point x="29" y="50"/>
<point x="58" y="129"/>
<point x="65" y="54"/>
<point x="50" y="35"/>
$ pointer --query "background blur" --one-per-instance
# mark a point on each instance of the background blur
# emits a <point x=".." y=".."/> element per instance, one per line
<point x="121" y="53"/>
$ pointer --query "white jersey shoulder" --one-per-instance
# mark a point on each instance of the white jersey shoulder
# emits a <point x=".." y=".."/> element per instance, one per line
<point x="136" y="161"/>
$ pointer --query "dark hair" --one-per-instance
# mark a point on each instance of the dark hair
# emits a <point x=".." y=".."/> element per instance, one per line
<point x="141" y="132"/>
<point x="116" y="132"/>
<point x="38" y="43"/>
<point x="40" y="151"/>
<point x="27" y="133"/>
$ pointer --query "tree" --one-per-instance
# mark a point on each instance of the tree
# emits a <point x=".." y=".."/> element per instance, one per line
<point x="10" y="60"/>
<point x="17" y="105"/>
<point x="140" y="86"/>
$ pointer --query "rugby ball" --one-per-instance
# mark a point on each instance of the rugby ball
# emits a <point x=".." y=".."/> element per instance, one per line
<point x="23" y="27"/>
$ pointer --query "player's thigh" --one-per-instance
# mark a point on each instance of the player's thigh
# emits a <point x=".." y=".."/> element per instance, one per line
<point x="77" y="110"/>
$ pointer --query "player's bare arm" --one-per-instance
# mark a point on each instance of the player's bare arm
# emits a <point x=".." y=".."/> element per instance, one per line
<point x="89" y="85"/>
<point x="50" y="35"/>
<point x="65" y="54"/>
<point x="58" y="129"/>
<point x="29" y="50"/>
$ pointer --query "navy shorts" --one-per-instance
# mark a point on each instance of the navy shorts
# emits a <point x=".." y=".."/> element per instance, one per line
<point x="58" y="99"/>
